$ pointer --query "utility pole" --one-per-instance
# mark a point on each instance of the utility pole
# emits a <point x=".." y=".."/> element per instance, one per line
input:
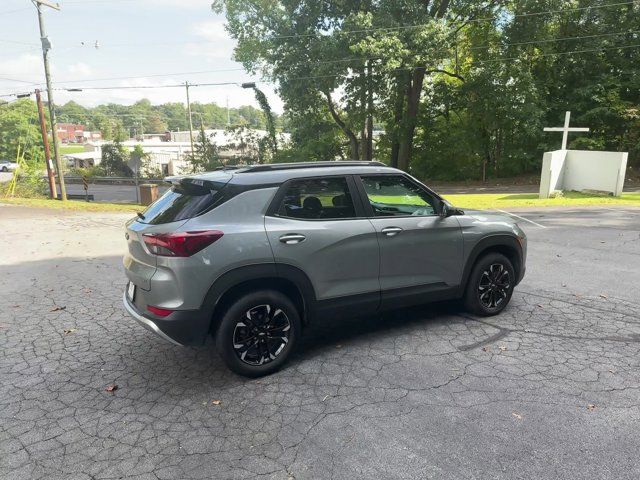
<point x="46" y="46"/>
<point x="186" y="84"/>
<point x="228" y="116"/>
<point x="47" y="152"/>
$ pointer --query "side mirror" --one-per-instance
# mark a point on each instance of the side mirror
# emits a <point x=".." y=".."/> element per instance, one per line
<point x="444" y="209"/>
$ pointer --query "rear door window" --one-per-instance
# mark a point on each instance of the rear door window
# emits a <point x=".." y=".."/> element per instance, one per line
<point x="317" y="198"/>
<point x="186" y="199"/>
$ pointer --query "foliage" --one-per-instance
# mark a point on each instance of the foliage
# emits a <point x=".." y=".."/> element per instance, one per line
<point x="205" y="156"/>
<point x="89" y="172"/>
<point x="122" y="121"/>
<point x="272" y="139"/>
<point x="246" y="147"/>
<point x="462" y="89"/>
<point x="29" y="181"/>
<point x="20" y="128"/>
<point x="114" y="160"/>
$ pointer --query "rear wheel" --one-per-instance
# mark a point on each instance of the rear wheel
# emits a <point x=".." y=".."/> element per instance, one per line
<point x="490" y="285"/>
<point x="258" y="332"/>
<point x="5" y="169"/>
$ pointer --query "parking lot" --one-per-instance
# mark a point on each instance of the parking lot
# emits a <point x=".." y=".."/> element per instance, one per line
<point x="548" y="389"/>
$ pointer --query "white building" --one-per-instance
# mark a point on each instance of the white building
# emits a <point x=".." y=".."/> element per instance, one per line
<point x="169" y="156"/>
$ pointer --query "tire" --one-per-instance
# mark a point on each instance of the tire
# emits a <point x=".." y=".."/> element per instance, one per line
<point x="245" y="337"/>
<point x="5" y="169"/>
<point x="490" y="285"/>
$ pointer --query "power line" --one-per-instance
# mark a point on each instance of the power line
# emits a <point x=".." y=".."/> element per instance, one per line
<point x="472" y="20"/>
<point x="133" y="77"/>
<point x="17" y="80"/>
<point x="311" y="77"/>
<point x="347" y="59"/>
<point x="134" y="87"/>
<point x="343" y="32"/>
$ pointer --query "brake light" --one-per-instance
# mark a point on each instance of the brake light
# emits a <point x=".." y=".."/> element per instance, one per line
<point x="161" y="312"/>
<point x="182" y="244"/>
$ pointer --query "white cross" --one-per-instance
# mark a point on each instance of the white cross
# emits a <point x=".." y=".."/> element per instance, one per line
<point x="565" y="130"/>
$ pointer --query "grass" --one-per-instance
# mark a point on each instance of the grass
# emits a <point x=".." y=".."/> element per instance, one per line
<point x="484" y="201"/>
<point x="73" y="205"/>
<point x="65" y="149"/>
<point x="487" y="201"/>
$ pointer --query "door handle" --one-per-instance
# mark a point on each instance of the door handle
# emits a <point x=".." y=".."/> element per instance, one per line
<point x="292" y="238"/>
<point x="391" y="231"/>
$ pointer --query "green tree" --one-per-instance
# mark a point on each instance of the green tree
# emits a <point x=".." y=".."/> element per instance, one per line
<point x="114" y="160"/>
<point x="358" y="51"/>
<point x="205" y="156"/>
<point x="19" y="128"/>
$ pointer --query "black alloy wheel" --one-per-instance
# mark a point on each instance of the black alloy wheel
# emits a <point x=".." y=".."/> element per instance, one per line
<point x="494" y="286"/>
<point x="261" y="334"/>
<point x="257" y="332"/>
<point x="490" y="285"/>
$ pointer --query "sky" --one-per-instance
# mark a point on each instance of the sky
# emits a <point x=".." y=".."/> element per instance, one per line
<point x="160" y="42"/>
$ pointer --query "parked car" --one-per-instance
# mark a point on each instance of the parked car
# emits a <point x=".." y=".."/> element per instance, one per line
<point x="251" y="255"/>
<point x="7" y="166"/>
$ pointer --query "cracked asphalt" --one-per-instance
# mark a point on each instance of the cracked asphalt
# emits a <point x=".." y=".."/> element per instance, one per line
<point x="549" y="389"/>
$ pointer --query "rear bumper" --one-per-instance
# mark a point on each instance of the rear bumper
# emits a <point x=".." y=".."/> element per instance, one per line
<point x="187" y="327"/>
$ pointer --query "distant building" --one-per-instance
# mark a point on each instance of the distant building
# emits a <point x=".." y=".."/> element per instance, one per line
<point x="76" y="133"/>
<point x="167" y="152"/>
<point x="167" y="157"/>
<point x="70" y="133"/>
<point x="228" y="143"/>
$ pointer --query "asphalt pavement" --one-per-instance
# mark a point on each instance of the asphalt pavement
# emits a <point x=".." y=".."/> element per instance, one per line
<point x="548" y="389"/>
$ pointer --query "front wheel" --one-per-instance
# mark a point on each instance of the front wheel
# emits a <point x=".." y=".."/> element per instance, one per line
<point x="258" y="332"/>
<point x="490" y="285"/>
<point x="5" y="169"/>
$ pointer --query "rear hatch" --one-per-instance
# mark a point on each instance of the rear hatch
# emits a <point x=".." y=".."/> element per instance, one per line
<point x="187" y="198"/>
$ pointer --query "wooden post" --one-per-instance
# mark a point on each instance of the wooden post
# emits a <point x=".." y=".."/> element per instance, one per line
<point x="47" y="153"/>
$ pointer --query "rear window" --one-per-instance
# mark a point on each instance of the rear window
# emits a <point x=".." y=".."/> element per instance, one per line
<point x="185" y="200"/>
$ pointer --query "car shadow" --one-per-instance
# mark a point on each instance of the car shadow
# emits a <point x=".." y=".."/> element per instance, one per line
<point x="326" y="333"/>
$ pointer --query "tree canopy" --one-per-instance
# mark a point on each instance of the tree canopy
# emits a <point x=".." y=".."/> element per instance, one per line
<point x="459" y="89"/>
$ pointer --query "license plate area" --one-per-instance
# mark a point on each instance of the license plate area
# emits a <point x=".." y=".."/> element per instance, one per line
<point x="131" y="291"/>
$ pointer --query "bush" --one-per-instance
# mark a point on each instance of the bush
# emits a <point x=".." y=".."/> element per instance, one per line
<point x="29" y="182"/>
<point x="89" y="172"/>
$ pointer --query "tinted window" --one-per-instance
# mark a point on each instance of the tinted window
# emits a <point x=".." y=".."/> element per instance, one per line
<point x="317" y="198"/>
<point x="392" y="195"/>
<point x="183" y="201"/>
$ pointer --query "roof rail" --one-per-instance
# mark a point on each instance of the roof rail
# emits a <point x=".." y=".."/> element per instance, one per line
<point x="287" y="166"/>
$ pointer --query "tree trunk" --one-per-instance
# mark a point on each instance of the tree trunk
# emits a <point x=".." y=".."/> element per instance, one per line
<point x="414" y="89"/>
<point x="398" y="111"/>
<point x="354" y="146"/>
<point x="369" y="125"/>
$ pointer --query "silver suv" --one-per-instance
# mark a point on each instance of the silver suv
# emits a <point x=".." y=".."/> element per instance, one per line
<point x="253" y="254"/>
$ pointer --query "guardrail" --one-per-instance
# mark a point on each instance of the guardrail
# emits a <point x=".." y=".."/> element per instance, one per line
<point x="111" y="180"/>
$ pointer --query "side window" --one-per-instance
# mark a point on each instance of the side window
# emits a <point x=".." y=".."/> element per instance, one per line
<point x="394" y="195"/>
<point x="317" y="198"/>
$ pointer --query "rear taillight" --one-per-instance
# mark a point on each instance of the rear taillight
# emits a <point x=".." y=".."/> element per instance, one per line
<point x="161" y="312"/>
<point x="183" y="244"/>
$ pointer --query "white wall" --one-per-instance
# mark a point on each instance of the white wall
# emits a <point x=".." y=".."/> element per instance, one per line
<point x="552" y="172"/>
<point x="583" y="170"/>
<point x="586" y="170"/>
